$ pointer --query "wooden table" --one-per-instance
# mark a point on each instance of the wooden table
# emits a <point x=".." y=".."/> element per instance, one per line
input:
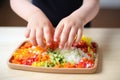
<point x="109" y="49"/>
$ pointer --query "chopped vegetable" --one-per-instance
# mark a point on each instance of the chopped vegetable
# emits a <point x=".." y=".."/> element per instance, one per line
<point x="81" y="55"/>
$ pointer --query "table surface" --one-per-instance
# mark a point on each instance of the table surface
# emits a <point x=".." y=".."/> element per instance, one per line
<point x="109" y="61"/>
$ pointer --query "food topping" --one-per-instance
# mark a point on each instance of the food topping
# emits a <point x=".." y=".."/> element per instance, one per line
<point x="81" y="55"/>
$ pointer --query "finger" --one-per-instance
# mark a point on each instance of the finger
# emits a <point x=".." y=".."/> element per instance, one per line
<point x="71" y="37"/>
<point x="27" y="32"/>
<point x="79" y="35"/>
<point x="64" y="36"/>
<point x="39" y="37"/>
<point x="58" y="31"/>
<point x="33" y="37"/>
<point x="48" y="35"/>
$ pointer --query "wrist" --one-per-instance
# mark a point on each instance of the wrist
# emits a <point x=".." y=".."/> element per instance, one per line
<point x="36" y="14"/>
<point x="80" y="17"/>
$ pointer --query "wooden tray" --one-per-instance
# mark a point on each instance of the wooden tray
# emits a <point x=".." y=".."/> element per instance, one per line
<point x="53" y="70"/>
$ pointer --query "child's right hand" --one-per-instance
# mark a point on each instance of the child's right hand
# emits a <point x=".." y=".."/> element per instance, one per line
<point x="39" y="30"/>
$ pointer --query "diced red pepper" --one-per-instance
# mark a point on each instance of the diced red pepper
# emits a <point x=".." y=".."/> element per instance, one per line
<point x="81" y="65"/>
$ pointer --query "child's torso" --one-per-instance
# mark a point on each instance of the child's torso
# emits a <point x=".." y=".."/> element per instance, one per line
<point x="55" y="10"/>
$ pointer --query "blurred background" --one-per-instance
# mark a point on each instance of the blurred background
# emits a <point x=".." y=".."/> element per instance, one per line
<point x="108" y="16"/>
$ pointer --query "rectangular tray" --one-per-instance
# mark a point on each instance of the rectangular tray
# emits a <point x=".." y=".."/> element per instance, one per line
<point x="53" y="70"/>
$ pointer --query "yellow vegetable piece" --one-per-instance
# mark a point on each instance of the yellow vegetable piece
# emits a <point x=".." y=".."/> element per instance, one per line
<point x="34" y="64"/>
<point x="88" y="40"/>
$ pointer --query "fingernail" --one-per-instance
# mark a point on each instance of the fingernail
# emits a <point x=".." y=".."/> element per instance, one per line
<point x="55" y="39"/>
<point x="66" y="47"/>
<point x="49" y="43"/>
<point x="60" y="47"/>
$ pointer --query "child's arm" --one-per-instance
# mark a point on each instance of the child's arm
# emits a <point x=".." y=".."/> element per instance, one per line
<point x="72" y="26"/>
<point x="88" y="10"/>
<point x="39" y="27"/>
<point x="25" y="9"/>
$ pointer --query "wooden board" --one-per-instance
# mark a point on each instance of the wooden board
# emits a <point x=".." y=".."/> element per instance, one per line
<point x="53" y="70"/>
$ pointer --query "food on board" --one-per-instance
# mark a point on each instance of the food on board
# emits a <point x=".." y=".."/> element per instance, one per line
<point x="80" y="55"/>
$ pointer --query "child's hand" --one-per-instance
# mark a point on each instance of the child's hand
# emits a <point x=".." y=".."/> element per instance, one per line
<point x="69" y="30"/>
<point x="39" y="30"/>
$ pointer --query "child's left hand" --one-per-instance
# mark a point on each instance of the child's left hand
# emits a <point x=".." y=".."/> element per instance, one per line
<point x="69" y="30"/>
